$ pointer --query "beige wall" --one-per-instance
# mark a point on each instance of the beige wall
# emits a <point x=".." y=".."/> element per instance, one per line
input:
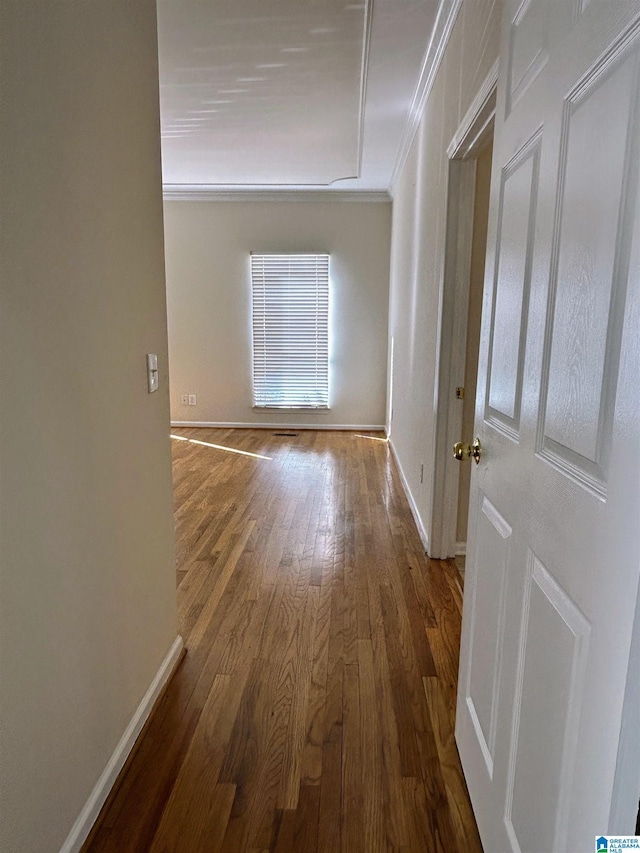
<point x="87" y="601"/>
<point x="418" y="242"/>
<point x="209" y="307"/>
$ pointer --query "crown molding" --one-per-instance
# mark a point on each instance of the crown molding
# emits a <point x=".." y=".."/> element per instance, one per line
<point x="212" y="192"/>
<point x="445" y="20"/>
<point x="364" y="77"/>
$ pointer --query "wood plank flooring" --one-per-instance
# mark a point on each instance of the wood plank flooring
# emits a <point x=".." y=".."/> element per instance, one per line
<point x="314" y="709"/>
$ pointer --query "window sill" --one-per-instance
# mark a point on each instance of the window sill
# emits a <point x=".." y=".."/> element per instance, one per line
<point x="291" y="408"/>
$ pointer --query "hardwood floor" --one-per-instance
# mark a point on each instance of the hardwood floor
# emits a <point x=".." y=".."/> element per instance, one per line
<point x="314" y="709"/>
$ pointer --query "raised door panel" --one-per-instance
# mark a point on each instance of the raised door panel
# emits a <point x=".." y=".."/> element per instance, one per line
<point x="487" y="597"/>
<point x="528" y="52"/>
<point x="549" y="693"/>
<point x="518" y="196"/>
<point x="592" y="241"/>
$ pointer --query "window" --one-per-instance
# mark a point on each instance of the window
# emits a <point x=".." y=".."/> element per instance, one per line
<point x="290" y="331"/>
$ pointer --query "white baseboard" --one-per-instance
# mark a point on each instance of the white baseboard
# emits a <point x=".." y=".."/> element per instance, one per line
<point x="461" y="549"/>
<point x="412" y="504"/>
<point x="97" y="798"/>
<point x="222" y="425"/>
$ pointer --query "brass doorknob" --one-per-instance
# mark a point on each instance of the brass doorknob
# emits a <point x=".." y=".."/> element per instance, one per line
<point x="462" y="450"/>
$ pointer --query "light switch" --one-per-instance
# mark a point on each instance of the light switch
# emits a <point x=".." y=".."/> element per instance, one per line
<point x="152" y="371"/>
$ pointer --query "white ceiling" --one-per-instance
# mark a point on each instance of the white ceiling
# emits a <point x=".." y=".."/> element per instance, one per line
<point x="288" y="93"/>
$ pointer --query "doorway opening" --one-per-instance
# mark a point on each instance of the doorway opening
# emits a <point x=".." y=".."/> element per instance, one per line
<point x="474" y="314"/>
<point x="470" y="154"/>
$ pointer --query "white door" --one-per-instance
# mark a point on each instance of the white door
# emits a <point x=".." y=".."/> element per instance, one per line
<point x="554" y="531"/>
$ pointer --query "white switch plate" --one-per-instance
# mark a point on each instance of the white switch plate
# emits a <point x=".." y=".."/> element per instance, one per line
<point x="192" y="399"/>
<point x="152" y="371"/>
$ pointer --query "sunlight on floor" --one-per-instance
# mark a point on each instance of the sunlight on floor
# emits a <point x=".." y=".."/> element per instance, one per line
<point x="220" y="447"/>
<point x="371" y="437"/>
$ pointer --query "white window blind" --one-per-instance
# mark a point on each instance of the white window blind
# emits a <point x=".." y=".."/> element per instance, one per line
<point x="290" y="331"/>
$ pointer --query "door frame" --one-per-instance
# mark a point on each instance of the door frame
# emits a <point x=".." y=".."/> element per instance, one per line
<point x="470" y="137"/>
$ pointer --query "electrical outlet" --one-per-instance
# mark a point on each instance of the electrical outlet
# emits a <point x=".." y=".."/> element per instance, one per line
<point x="184" y="400"/>
<point x="192" y="399"/>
